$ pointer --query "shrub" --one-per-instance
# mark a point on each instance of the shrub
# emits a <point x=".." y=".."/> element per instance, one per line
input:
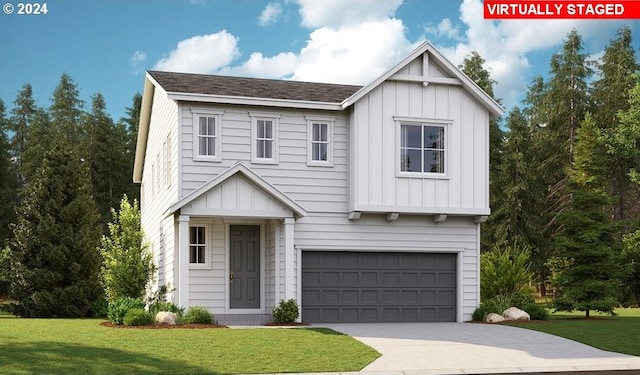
<point x="499" y="303"/>
<point x="481" y="312"/>
<point x="505" y="270"/>
<point x="137" y="317"/>
<point x="286" y="311"/>
<point x="99" y="307"/>
<point x="118" y="308"/>
<point x="198" y="315"/>
<point x="522" y="299"/>
<point x="536" y="312"/>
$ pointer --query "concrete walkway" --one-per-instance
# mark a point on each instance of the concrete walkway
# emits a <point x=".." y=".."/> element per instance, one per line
<point x="469" y="348"/>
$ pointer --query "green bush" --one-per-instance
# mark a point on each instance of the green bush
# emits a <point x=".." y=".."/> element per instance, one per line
<point x="536" y="312"/>
<point x="505" y="270"/>
<point x="99" y="307"/>
<point x="522" y="299"/>
<point x="481" y="312"/>
<point x="286" y="311"/>
<point x="198" y="315"/>
<point x="137" y="317"/>
<point x="119" y="307"/>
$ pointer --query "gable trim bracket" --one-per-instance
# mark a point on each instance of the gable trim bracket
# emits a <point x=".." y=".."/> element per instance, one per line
<point x="354" y="215"/>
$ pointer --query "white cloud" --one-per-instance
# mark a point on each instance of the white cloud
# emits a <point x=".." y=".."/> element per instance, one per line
<point x="354" y="55"/>
<point x="279" y="66"/>
<point x="339" y="13"/>
<point x="137" y="58"/>
<point x="507" y="45"/>
<point x="201" y="54"/>
<point x="269" y="14"/>
<point x="444" y="28"/>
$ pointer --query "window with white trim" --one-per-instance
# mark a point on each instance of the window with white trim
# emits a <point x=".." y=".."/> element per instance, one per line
<point x="197" y="245"/>
<point x="320" y="141"/>
<point x="264" y="138"/>
<point x="422" y="148"/>
<point x="207" y="134"/>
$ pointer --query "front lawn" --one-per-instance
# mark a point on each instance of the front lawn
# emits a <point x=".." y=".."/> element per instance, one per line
<point x="82" y="346"/>
<point x="615" y="334"/>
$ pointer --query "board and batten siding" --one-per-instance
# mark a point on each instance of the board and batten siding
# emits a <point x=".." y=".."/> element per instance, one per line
<point x="375" y="183"/>
<point x="410" y="233"/>
<point x="159" y="187"/>
<point x="316" y="188"/>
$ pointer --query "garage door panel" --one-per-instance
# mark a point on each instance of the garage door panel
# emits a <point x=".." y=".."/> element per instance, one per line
<point x="378" y="287"/>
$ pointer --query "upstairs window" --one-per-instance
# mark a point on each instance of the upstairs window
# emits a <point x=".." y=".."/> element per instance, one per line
<point x="197" y="245"/>
<point x="207" y="135"/>
<point x="422" y="148"/>
<point x="320" y="141"/>
<point x="264" y="138"/>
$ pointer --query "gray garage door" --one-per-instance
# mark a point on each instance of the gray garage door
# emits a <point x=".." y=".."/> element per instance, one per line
<point x="378" y="287"/>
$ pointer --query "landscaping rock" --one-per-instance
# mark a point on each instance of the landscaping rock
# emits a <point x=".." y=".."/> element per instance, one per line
<point x="514" y="313"/>
<point x="494" y="318"/>
<point x="166" y="317"/>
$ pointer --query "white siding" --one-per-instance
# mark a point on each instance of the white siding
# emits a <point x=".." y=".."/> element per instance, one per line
<point x="375" y="184"/>
<point x="207" y="287"/>
<point x="316" y="188"/>
<point x="407" y="234"/>
<point x="160" y="188"/>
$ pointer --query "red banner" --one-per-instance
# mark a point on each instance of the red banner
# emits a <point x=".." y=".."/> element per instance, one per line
<point x="515" y="9"/>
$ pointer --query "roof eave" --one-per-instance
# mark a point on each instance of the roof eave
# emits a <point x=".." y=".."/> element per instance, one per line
<point x="270" y="102"/>
<point x="143" y="128"/>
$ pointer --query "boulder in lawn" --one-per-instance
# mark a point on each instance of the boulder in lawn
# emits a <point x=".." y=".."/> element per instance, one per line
<point x="514" y="313"/>
<point x="166" y="317"/>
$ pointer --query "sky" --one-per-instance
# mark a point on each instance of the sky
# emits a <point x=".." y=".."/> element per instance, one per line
<point x="106" y="45"/>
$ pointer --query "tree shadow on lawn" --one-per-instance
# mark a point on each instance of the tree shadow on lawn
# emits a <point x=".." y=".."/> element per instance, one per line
<point x="63" y="358"/>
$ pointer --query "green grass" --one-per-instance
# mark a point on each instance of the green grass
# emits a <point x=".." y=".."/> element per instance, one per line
<point x="612" y="333"/>
<point x="81" y="346"/>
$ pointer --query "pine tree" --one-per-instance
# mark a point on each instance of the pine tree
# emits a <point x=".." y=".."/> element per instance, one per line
<point x="107" y="157"/>
<point x="611" y="95"/>
<point x="131" y="123"/>
<point x="66" y="111"/>
<point x="589" y="279"/>
<point x="55" y="261"/>
<point x="22" y="115"/>
<point x="8" y="182"/>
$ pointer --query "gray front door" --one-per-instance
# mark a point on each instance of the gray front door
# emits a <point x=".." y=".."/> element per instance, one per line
<point x="244" y="280"/>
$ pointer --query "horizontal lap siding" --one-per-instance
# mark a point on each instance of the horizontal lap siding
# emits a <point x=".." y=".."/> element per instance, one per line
<point x="321" y="189"/>
<point x="207" y="286"/>
<point x="407" y="234"/>
<point x="158" y="228"/>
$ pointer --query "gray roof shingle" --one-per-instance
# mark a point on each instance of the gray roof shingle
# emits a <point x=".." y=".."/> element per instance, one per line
<point x="253" y="87"/>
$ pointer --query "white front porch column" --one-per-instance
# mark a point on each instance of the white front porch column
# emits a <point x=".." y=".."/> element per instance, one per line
<point x="289" y="258"/>
<point x="183" y="261"/>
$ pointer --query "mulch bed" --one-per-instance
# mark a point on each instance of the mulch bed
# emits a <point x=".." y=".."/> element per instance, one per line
<point x="164" y="326"/>
<point x="294" y="324"/>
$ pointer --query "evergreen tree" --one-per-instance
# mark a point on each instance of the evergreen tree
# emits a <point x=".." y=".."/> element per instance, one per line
<point x="55" y="261"/>
<point x="22" y="115"/>
<point x="473" y="67"/>
<point x="8" y="182"/>
<point x="611" y="95"/>
<point x="107" y="157"/>
<point x="128" y="264"/>
<point x="131" y="123"/>
<point x="588" y="281"/>
<point x="66" y="112"/>
<point x="39" y="139"/>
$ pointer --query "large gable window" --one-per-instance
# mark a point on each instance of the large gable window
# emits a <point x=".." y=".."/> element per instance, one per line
<point x="264" y="138"/>
<point x="207" y="135"/>
<point x="423" y="148"/>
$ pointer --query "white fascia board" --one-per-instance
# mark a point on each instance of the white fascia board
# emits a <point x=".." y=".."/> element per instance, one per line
<point x="267" y="102"/>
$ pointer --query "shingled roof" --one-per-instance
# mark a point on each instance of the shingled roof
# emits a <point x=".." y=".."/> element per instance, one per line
<point x="252" y="87"/>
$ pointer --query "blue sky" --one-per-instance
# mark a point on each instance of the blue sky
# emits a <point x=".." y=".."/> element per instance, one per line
<point x="106" y="45"/>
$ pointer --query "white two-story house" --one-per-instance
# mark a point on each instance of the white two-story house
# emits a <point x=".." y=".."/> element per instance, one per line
<point x="363" y="204"/>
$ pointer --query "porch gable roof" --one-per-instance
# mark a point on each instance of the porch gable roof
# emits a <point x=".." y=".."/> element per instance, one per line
<point x="239" y="169"/>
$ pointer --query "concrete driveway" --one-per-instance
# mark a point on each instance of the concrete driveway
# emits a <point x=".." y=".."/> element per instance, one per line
<point x="463" y="348"/>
